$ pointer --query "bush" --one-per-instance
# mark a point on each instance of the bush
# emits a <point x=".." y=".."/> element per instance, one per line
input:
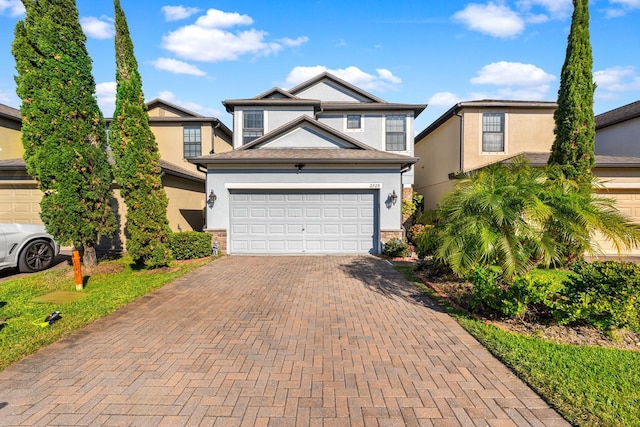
<point x="190" y="245"/>
<point x="413" y="232"/>
<point x="396" y="248"/>
<point x="525" y="295"/>
<point x="428" y="217"/>
<point x="426" y="242"/>
<point x="604" y="294"/>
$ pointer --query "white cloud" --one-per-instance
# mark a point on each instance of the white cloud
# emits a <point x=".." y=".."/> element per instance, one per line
<point x="12" y="8"/>
<point x="294" y="42"/>
<point x="557" y="9"/>
<point x="505" y="73"/>
<point x="617" y="80"/>
<point x="106" y="95"/>
<point x="496" y="20"/>
<point x="382" y="81"/>
<point x="209" y="39"/>
<point x="218" y="19"/>
<point x="98" y="28"/>
<point x="621" y="7"/>
<point x="177" y="67"/>
<point x="443" y="99"/>
<point x="176" y="13"/>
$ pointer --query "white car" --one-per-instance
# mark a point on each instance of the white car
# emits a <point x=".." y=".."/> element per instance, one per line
<point x="26" y="246"/>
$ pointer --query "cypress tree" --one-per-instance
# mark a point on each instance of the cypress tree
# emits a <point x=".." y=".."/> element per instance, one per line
<point x="573" y="148"/>
<point x="63" y="130"/>
<point x="137" y="161"/>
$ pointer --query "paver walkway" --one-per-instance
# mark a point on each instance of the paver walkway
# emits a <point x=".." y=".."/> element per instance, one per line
<point x="282" y="341"/>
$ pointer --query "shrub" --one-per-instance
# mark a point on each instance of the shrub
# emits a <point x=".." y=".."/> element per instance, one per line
<point x="525" y="295"/>
<point x="604" y="294"/>
<point x="413" y="232"/>
<point x="396" y="248"/>
<point x="426" y="242"/>
<point x="190" y="244"/>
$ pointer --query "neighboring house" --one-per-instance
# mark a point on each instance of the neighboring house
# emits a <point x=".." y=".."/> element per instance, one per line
<point x="618" y="131"/>
<point x="180" y="135"/>
<point x="319" y="168"/>
<point x="474" y="134"/>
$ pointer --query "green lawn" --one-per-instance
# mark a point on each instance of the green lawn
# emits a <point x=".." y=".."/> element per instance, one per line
<point x="112" y="285"/>
<point x="589" y="386"/>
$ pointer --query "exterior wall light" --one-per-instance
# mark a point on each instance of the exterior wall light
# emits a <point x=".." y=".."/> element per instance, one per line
<point x="394" y="197"/>
<point x="211" y="199"/>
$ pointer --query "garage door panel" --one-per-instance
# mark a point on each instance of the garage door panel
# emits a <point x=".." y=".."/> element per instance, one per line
<point x="304" y="221"/>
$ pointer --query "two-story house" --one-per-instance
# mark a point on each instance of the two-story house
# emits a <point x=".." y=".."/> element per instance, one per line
<point x="474" y="134"/>
<point x="180" y="135"/>
<point x="319" y="168"/>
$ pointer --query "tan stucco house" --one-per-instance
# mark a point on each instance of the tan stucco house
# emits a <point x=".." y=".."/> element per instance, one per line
<point x="474" y="134"/>
<point x="180" y="134"/>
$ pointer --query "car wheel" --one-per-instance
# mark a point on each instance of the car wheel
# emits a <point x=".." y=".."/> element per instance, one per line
<point x="36" y="256"/>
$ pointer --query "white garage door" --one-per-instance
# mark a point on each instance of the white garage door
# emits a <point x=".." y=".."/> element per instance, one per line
<point x="279" y="222"/>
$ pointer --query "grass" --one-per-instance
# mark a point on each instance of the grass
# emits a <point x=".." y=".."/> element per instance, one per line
<point x="588" y="385"/>
<point x="112" y="285"/>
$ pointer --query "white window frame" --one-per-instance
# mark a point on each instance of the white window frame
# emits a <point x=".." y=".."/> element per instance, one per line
<point x="406" y="133"/>
<point x="253" y="110"/>
<point x="346" y="123"/>
<point x="506" y="133"/>
<point x="184" y="142"/>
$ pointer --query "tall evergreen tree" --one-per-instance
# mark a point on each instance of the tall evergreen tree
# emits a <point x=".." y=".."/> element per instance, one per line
<point x="63" y="131"/>
<point x="574" y="144"/>
<point x="137" y="161"/>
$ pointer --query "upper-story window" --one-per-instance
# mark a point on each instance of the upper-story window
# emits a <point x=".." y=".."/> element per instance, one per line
<point x="493" y="133"/>
<point x="354" y="121"/>
<point x="396" y="132"/>
<point x="192" y="141"/>
<point x="252" y="125"/>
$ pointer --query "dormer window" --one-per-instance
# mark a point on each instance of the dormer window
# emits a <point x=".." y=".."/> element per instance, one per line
<point x="252" y="125"/>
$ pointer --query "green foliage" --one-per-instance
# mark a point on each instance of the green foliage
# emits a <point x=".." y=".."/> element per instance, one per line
<point x="428" y="217"/>
<point x="190" y="244"/>
<point x="515" y="217"/>
<point x="396" y="248"/>
<point x="515" y="299"/>
<point x="408" y="209"/>
<point x="602" y="294"/>
<point x="104" y="293"/>
<point x="137" y="161"/>
<point x="413" y="232"/>
<point x="427" y="242"/>
<point x="573" y="147"/>
<point x="63" y="131"/>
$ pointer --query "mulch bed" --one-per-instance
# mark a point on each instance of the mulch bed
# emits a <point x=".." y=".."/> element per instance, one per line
<point x="458" y="292"/>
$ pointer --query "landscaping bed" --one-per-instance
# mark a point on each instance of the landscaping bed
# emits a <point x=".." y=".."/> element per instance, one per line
<point x="459" y="293"/>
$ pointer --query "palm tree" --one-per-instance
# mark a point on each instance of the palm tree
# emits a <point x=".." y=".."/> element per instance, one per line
<point x="516" y="217"/>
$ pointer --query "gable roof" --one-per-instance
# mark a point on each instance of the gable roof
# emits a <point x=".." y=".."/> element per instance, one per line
<point x="10" y="112"/>
<point x="618" y="115"/>
<point x="275" y="91"/>
<point x="157" y="102"/>
<point x="328" y="76"/>
<point x="299" y="122"/>
<point x="355" y="151"/>
<point x="484" y="103"/>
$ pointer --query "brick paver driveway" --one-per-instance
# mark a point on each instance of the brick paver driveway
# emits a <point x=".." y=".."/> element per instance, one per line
<point x="277" y="341"/>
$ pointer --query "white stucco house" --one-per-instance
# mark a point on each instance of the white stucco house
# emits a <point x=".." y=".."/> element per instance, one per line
<point x="320" y="168"/>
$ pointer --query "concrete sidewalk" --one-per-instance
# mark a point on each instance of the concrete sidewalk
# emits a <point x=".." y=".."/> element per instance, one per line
<point x="282" y="341"/>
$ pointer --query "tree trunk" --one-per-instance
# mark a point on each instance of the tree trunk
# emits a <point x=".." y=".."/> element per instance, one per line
<point x="89" y="259"/>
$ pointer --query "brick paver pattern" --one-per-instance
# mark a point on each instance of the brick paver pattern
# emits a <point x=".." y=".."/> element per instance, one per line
<point x="282" y="341"/>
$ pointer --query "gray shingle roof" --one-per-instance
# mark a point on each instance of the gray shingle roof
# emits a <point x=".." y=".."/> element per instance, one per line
<point x="10" y="112"/>
<point x="618" y="115"/>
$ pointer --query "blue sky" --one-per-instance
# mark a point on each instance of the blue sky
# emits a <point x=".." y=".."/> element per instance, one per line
<point x="199" y="53"/>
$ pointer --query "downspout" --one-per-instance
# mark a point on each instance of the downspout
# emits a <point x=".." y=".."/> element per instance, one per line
<point x="461" y="141"/>
<point x="213" y="137"/>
